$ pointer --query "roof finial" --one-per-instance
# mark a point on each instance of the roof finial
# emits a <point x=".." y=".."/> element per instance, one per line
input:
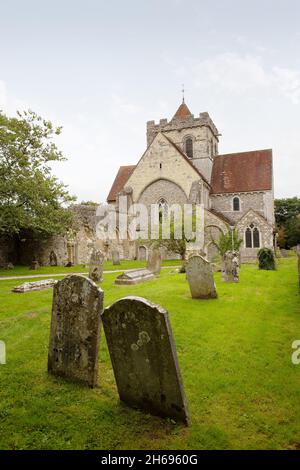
<point x="182" y="91"/>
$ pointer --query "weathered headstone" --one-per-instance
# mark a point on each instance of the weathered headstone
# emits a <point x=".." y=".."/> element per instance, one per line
<point x="34" y="285"/>
<point x="34" y="265"/>
<point x="154" y="262"/>
<point x="75" y="329"/>
<point x="144" y="359"/>
<point x="115" y="257"/>
<point x="53" y="259"/>
<point x="200" y="278"/>
<point x="284" y="253"/>
<point x="230" y="271"/>
<point x="134" y="276"/>
<point x="2" y="352"/>
<point x="96" y="266"/>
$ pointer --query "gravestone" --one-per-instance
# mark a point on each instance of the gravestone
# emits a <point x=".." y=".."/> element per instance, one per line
<point x="134" y="276"/>
<point x="144" y="359"/>
<point x="230" y="271"/>
<point x="284" y="253"/>
<point x="53" y="259"/>
<point x="200" y="278"/>
<point x="96" y="266"/>
<point x="75" y="329"/>
<point x="115" y="257"/>
<point x="34" y="265"/>
<point x="35" y="285"/>
<point x="154" y="262"/>
<point x="2" y="352"/>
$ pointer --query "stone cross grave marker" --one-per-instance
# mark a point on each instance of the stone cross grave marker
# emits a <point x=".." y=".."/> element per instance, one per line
<point x="200" y="278"/>
<point x="75" y="329"/>
<point x="144" y="359"/>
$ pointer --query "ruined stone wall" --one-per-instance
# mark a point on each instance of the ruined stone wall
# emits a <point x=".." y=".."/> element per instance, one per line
<point x="7" y="251"/>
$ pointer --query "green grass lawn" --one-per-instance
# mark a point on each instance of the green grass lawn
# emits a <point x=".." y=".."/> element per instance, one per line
<point x="79" y="268"/>
<point x="235" y="357"/>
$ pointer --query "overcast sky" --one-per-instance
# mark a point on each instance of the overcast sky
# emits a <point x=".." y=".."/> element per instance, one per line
<point x="101" y="69"/>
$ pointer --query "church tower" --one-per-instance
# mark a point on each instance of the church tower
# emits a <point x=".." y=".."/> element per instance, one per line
<point x="197" y="137"/>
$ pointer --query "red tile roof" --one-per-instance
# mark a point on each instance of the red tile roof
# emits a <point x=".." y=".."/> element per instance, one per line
<point x="182" y="112"/>
<point x="120" y="180"/>
<point x="242" y="172"/>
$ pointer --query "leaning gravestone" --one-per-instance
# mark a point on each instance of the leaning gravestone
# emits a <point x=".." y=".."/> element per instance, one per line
<point x="200" y="278"/>
<point x="115" y="257"/>
<point x="154" y="262"/>
<point x="144" y="359"/>
<point x="134" y="276"/>
<point x="230" y="272"/>
<point x="75" y="329"/>
<point x="96" y="266"/>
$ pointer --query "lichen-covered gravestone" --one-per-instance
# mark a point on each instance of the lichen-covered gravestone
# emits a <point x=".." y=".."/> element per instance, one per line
<point x="200" y="278"/>
<point x="75" y="329"/>
<point x="96" y="266"/>
<point x="115" y="257"/>
<point x="230" y="272"/>
<point x="144" y="359"/>
<point x="154" y="262"/>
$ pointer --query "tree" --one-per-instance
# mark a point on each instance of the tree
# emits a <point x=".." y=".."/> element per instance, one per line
<point x="178" y="240"/>
<point x="286" y="209"/>
<point x="287" y="213"/>
<point x="228" y="241"/>
<point x="293" y="231"/>
<point x="31" y="198"/>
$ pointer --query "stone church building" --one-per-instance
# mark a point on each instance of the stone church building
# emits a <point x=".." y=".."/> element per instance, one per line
<point x="182" y="165"/>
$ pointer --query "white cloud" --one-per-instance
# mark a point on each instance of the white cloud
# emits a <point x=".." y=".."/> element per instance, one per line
<point x="288" y="82"/>
<point x="238" y="74"/>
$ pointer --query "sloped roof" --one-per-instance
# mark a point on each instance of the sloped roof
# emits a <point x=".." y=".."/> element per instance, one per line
<point x="242" y="172"/>
<point x="186" y="158"/>
<point x="182" y="112"/>
<point x="120" y="181"/>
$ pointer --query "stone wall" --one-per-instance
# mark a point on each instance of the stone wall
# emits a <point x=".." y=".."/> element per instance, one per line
<point x="161" y="161"/>
<point x="203" y="133"/>
<point x="7" y="251"/>
<point x="260" y="201"/>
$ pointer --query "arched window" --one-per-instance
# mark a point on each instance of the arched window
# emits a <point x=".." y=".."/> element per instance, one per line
<point x="255" y="237"/>
<point x="162" y="206"/>
<point x="236" y="203"/>
<point x="248" y="237"/>
<point x="189" y="147"/>
<point x="252" y="238"/>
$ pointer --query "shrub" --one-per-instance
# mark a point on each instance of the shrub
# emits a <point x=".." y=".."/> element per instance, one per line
<point x="266" y="259"/>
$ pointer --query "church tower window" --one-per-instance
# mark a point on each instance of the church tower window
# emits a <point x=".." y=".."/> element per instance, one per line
<point x="236" y="203"/>
<point x="189" y="147"/>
